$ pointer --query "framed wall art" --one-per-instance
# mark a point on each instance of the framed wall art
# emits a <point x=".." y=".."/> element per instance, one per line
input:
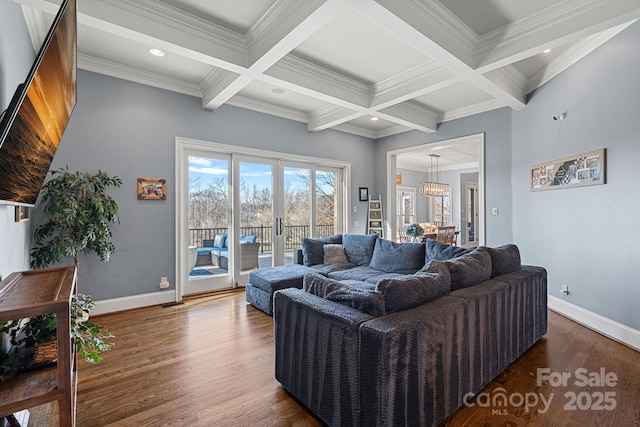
<point x="574" y="171"/>
<point x="364" y="194"/>
<point x="152" y="189"/>
<point x="22" y="213"/>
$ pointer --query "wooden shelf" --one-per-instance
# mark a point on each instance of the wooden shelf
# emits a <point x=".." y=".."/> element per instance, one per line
<point x="33" y="293"/>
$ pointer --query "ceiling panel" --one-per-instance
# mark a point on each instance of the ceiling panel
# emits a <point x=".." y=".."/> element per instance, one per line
<point x="108" y="46"/>
<point x="354" y="45"/>
<point x="343" y="58"/>
<point x="483" y="16"/>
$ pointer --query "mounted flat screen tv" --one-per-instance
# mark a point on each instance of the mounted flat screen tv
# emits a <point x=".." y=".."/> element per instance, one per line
<point x="32" y="126"/>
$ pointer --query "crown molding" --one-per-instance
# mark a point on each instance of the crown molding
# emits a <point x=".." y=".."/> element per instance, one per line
<point x="572" y="55"/>
<point x="481" y="107"/>
<point x="124" y="72"/>
<point x="35" y="26"/>
<point x="267" y="108"/>
<point x="549" y="28"/>
<point x="320" y="82"/>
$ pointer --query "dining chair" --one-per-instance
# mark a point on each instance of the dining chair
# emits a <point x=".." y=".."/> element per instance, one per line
<point x="446" y="234"/>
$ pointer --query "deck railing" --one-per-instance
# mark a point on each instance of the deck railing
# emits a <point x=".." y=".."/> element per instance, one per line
<point x="293" y="234"/>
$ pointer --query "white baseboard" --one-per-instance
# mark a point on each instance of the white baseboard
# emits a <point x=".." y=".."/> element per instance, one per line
<point x="601" y="324"/>
<point x="135" y="301"/>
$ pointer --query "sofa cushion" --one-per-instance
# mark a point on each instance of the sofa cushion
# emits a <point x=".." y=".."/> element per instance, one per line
<point x="441" y="251"/>
<point x="334" y="254"/>
<point x="364" y="300"/>
<point x="330" y="268"/>
<point x="469" y="269"/>
<point x="208" y="243"/>
<point x="392" y="257"/>
<point x="361" y="272"/>
<point x="312" y="249"/>
<point x="382" y="275"/>
<point x="505" y="259"/>
<point x="409" y="291"/>
<point x="359" y="247"/>
<point x="281" y="277"/>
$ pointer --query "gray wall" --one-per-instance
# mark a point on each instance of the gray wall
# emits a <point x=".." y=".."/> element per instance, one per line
<point x="16" y="57"/>
<point x="586" y="237"/>
<point x="129" y="130"/>
<point x="496" y="126"/>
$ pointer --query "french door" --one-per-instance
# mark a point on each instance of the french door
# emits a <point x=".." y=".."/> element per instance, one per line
<point x="238" y="212"/>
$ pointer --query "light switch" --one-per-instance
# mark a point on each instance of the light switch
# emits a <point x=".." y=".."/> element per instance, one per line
<point x="494" y="211"/>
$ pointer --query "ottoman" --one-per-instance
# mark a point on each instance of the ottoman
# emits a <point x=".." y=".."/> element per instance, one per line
<point x="265" y="281"/>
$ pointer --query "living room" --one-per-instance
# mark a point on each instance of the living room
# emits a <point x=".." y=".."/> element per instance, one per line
<point x="584" y="237"/>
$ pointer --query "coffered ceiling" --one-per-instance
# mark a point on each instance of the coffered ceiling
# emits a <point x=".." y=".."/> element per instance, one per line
<point x="410" y="64"/>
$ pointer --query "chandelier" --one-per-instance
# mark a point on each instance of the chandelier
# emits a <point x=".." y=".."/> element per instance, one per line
<point x="434" y="188"/>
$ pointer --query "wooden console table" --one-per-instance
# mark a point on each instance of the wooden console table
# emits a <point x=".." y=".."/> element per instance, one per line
<point x="33" y="293"/>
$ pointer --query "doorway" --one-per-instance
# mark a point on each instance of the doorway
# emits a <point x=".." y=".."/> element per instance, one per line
<point x="457" y="157"/>
<point x="241" y="209"/>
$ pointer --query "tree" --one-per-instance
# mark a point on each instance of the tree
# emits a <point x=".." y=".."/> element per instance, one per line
<point x="78" y="213"/>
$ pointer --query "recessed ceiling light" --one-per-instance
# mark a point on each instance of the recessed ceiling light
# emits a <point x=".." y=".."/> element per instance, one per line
<point x="277" y="91"/>
<point x="156" y="52"/>
<point x="546" y="51"/>
<point x="374" y="119"/>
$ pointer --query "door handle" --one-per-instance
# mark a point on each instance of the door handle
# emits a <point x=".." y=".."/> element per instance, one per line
<point x="281" y="226"/>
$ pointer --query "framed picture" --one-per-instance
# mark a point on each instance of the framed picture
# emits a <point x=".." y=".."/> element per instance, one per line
<point x="375" y="215"/>
<point x="22" y="213"/>
<point x="152" y="189"/>
<point x="375" y="224"/>
<point x="374" y="205"/>
<point x="364" y="194"/>
<point x="574" y="171"/>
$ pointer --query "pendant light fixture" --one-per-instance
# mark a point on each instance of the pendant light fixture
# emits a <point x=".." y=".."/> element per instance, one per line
<point x="434" y="188"/>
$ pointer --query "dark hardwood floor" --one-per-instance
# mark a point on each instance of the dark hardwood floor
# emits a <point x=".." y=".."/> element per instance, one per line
<point x="210" y="362"/>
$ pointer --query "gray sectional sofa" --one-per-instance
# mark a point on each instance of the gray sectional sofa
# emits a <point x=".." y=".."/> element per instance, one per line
<point x="399" y="334"/>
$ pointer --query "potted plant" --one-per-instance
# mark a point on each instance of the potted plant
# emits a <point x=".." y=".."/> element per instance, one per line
<point x="78" y="214"/>
<point x="414" y="231"/>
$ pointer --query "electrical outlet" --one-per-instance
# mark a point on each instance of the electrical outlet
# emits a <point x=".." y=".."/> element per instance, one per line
<point x="164" y="283"/>
<point x="565" y="289"/>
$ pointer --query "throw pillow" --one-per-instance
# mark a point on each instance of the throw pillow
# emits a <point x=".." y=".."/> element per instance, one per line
<point x="313" y="249"/>
<point x="392" y="257"/>
<point x="505" y="259"/>
<point x="218" y="241"/>
<point x="441" y="251"/>
<point x="401" y="293"/>
<point x="208" y="243"/>
<point x="366" y="301"/>
<point x="359" y="247"/>
<point x="469" y="269"/>
<point x="334" y="254"/>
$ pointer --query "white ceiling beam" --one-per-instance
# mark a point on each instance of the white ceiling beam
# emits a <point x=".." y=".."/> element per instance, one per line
<point x="411" y="20"/>
<point x="284" y="27"/>
<point x="562" y="23"/>
<point x="418" y="81"/>
<point x="411" y="115"/>
<point x="330" y="116"/>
